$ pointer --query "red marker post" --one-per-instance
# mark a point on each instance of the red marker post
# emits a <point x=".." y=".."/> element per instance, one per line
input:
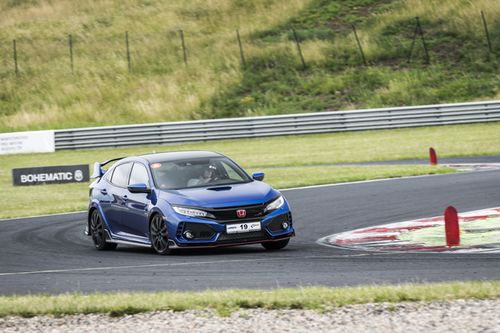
<point x="451" y="227"/>
<point x="433" y="156"/>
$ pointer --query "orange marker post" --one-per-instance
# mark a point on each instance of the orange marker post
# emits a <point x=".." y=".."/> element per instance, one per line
<point x="433" y="156"/>
<point x="451" y="226"/>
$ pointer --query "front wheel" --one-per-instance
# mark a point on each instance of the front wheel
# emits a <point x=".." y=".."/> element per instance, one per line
<point x="97" y="232"/>
<point x="277" y="245"/>
<point x="158" y="234"/>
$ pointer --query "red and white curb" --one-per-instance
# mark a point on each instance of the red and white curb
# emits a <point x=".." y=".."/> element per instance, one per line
<point x="468" y="167"/>
<point x="433" y="160"/>
<point x="480" y="230"/>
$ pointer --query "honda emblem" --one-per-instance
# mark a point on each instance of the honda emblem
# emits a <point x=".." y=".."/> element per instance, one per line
<point x="241" y="213"/>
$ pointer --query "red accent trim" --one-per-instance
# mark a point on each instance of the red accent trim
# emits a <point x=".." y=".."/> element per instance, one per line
<point x="187" y="247"/>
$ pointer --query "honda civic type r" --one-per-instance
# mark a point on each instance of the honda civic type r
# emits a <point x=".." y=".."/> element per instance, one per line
<point x="184" y="200"/>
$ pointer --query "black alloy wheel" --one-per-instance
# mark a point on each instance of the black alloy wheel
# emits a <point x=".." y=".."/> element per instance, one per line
<point x="158" y="234"/>
<point x="97" y="232"/>
<point x="276" y="245"/>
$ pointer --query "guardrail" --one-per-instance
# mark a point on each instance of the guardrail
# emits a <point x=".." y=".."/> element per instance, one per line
<point x="251" y="127"/>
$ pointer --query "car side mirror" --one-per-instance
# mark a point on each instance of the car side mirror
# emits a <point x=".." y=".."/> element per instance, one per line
<point x="138" y="188"/>
<point x="258" y="176"/>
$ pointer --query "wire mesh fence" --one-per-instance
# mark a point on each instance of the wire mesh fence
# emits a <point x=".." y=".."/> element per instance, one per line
<point x="163" y="52"/>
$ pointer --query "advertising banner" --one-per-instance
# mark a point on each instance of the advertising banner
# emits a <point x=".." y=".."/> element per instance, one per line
<point x="27" y="142"/>
<point x="51" y="175"/>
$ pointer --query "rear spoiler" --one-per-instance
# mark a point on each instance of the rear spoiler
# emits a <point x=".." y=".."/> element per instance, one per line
<point x="98" y="171"/>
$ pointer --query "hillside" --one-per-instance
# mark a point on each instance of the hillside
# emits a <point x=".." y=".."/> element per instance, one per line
<point x="160" y="86"/>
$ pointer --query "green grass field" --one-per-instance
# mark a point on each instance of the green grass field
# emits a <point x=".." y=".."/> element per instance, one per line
<point x="160" y="87"/>
<point x="227" y="301"/>
<point x="288" y="161"/>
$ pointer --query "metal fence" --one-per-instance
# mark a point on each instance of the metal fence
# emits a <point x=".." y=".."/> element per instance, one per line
<point x="293" y="124"/>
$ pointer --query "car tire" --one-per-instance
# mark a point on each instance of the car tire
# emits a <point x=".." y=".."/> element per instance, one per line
<point x="98" y="234"/>
<point x="158" y="235"/>
<point x="276" y="245"/>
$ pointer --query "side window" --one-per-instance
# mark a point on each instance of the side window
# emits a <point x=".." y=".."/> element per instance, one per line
<point x="108" y="175"/>
<point x="139" y="175"/>
<point x="120" y="175"/>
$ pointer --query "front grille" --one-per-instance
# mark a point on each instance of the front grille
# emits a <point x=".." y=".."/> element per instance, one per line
<point x="244" y="237"/>
<point x="229" y="214"/>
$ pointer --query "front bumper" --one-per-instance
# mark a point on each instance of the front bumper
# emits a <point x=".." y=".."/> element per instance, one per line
<point x="209" y="234"/>
<point x="174" y="245"/>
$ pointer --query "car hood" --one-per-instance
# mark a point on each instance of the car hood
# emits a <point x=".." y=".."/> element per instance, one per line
<point x="251" y="193"/>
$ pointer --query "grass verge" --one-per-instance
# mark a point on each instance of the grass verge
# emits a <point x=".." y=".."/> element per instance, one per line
<point x="288" y="161"/>
<point x="227" y="301"/>
<point x="160" y="87"/>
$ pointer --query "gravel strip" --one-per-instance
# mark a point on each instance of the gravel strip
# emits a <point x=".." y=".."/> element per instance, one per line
<point x="453" y="316"/>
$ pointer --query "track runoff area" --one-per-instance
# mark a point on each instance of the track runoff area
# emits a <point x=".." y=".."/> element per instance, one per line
<point x="470" y="232"/>
<point x="347" y="234"/>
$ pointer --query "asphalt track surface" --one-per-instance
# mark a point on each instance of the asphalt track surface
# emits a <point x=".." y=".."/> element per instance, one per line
<point x="52" y="255"/>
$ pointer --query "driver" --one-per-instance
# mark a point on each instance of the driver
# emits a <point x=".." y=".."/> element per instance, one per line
<point x="206" y="176"/>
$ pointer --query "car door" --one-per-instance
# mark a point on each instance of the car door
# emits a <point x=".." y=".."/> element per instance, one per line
<point x="137" y="204"/>
<point x="103" y="192"/>
<point x="117" y="193"/>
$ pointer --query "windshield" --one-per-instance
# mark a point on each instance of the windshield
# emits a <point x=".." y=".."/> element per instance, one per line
<point x="200" y="172"/>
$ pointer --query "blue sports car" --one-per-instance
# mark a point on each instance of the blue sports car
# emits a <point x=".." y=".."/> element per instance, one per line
<point x="184" y="200"/>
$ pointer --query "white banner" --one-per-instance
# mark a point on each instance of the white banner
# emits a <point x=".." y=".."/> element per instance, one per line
<point x="27" y="142"/>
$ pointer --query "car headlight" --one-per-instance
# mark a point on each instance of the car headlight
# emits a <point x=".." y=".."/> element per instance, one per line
<point x="191" y="212"/>
<point x="275" y="204"/>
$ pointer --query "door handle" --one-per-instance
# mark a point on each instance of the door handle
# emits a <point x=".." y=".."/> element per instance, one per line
<point x="125" y="198"/>
<point x="104" y="191"/>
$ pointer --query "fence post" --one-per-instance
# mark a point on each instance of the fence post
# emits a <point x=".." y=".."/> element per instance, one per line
<point x="14" y="47"/>
<point x="427" y="58"/>
<point x="412" y="43"/>
<point x="359" y="45"/>
<point x="299" y="49"/>
<point x="184" y="52"/>
<point x="128" y="51"/>
<point x="70" y="42"/>
<point x="486" y="32"/>
<point x="418" y="30"/>
<point x="242" y="55"/>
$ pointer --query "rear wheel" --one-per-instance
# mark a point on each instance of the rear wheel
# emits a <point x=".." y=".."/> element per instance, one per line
<point x="97" y="232"/>
<point x="158" y="234"/>
<point x="277" y="245"/>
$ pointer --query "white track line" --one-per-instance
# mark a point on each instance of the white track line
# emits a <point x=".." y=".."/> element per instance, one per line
<point x="70" y="270"/>
<point x="39" y="216"/>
